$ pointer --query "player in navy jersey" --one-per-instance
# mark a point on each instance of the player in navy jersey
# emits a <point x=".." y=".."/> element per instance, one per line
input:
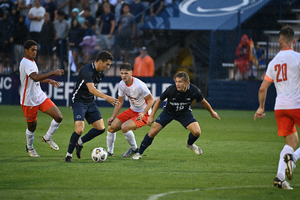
<point x="83" y="103"/>
<point x="179" y="98"/>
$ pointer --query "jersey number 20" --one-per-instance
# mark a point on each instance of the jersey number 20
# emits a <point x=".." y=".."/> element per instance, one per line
<point x="281" y="72"/>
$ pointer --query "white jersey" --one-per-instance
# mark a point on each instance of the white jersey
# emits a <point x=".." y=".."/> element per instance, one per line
<point x="284" y="71"/>
<point x="31" y="93"/>
<point x="136" y="92"/>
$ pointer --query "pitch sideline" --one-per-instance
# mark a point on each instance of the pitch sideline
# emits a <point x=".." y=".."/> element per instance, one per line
<point x="156" y="196"/>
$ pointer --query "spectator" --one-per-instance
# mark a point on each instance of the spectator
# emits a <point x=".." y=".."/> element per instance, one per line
<point x="118" y="10"/>
<point x="36" y="15"/>
<point x="6" y="28"/>
<point x="143" y="65"/>
<point x="24" y="7"/>
<point x="89" y="41"/>
<point x="63" y="5"/>
<point x="126" y="31"/>
<point x="51" y="8"/>
<point x="47" y="43"/>
<point x="137" y="7"/>
<point x="260" y="54"/>
<point x="6" y="5"/>
<point x="19" y="37"/>
<point x="107" y="28"/>
<point x="243" y="54"/>
<point x="75" y="15"/>
<point x="62" y="29"/>
<point x="88" y="17"/>
<point x="75" y="37"/>
<point x="100" y="9"/>
<point x="156" y="8"/>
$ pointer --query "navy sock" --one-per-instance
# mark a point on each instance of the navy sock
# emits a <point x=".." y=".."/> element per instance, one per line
<point x="145" y="143"/>
<point x="91" y="134"/>
<point x="73" y="141"/>
<point x="192" y="139"/>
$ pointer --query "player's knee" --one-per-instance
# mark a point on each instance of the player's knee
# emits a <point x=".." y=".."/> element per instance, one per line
<point x="59" y="118"/>
<point x="125" y="128"/>
<point x="111" y="129"/>
<point x="197" y="133"/>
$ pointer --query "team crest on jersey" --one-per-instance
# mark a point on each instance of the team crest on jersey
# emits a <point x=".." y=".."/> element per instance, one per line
<point x="78" y="116"/>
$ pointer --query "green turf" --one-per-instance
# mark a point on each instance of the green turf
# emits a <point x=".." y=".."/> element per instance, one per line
<point x="239" y="161"/>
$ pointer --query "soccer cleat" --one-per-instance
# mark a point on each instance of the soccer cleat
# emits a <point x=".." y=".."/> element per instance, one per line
<point x="130" y="152"/>
<point x="110" y="154"/>
<point x="32" y="152"/>
<point x="282" y="184"/>
<point x="290" y="165"/>
<point x="68" y="159"/>
<point x="78" y="150"/>
<point x="51" y="143"/>
<point x="137" y="156"/>
<point x="195" y="149"/>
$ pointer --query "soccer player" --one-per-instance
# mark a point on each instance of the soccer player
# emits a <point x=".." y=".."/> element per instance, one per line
<point x="141" y="101"/>
<point x="32" y="98"/>
<point x="284" y="72"/>
<point x="179" y="98"/>
<point x="83" y="103"/>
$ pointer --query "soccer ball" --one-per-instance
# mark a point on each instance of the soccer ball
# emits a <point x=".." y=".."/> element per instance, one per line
<point x="99" y="154"/>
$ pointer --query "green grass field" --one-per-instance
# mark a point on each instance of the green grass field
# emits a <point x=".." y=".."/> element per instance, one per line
<point x="239" y="161"/>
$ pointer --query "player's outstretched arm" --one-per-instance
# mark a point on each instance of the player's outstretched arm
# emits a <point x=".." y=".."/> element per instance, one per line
<point x="155" y="108"/>
<point x="207" y="106"/>
<point x="262" y="94"/>
<point x="116" y="110"/>
<point x="150" y="101"/>
<point x="43" y="77"/>
<point x="97" y="93"/>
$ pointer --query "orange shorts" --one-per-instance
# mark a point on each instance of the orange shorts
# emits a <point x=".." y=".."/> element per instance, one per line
<point x="286" y="120"/>
<point x="130" y="114"/>
<point x="30" y="112"/>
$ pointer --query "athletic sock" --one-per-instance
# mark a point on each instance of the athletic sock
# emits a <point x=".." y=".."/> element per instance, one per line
<point x="191" y="139"/>
<point x="145" y="143"/>
<point x="296" y="155"/>
<point x="110" y="141"/>
<point x="53" y="127"/>
<point x="91" y="134"/>
<point x="30" y="138"/>
<point x="282" y="165"/>
<point x="129" y="136"/>
<point x="73" y="141"/>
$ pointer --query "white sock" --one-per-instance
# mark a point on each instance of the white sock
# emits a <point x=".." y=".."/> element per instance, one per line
<point x="282" y="165"/>
<point x="131" y="140"/>
<point x="80" y="142"/>
<point x="30" y="138"/>
<point x="296" y="155"/>
<point x="69" y="154"/>
<point x="110" y="141"/>
<point x="53" y="127"/>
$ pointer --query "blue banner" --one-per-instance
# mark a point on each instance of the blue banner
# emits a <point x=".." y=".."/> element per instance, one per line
<point x="10" y="86"/>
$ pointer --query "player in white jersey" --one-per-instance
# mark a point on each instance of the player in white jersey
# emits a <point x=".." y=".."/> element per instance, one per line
<point x="141" y="101"/>
<point x="32" y="98"/>
<point x="284" y="72"/>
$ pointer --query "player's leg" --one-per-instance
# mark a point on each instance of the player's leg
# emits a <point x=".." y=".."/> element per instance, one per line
<point x="195" y="132"/>
<point x="111" y="135"/>
<point x="291" y="141"/>
<point x="51" y="109"/>
<point x="148" y="139"/>
<point x="30" y="114"/>
<point x="127" y="128"/>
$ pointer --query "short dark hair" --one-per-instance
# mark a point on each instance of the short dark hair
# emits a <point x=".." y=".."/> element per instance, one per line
<point x="288" y="33"/>
<point x="183" y="75"/>
<point x="104" y="56"/>
<point x="126" y="66"/>
<point x="29" y="43"/>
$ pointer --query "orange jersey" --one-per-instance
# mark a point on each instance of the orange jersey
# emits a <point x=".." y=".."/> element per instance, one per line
<point x="143" y="67"/>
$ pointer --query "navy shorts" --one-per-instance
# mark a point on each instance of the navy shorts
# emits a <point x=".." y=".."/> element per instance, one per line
<point x="185" y="118"/>
<point x="89" y="111"/>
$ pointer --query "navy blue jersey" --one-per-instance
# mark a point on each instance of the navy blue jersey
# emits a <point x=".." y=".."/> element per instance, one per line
<point x="88" y="74"/>
<point x="180" y="102"/>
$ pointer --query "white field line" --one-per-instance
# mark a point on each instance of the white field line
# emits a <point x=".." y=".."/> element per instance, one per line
<point x="156" y="196"/>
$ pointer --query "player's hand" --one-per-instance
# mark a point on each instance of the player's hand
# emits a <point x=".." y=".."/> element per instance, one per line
<point x="113" y="101"/>
<point x="59" y="72"/>
<point x="110" y="120"/>
<point x="215" y="115"/>
<point x="259" y="113"/>
<point x="140" y="117"/>
<point x="54" y="83"/>
<point x="150" y="121"/>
